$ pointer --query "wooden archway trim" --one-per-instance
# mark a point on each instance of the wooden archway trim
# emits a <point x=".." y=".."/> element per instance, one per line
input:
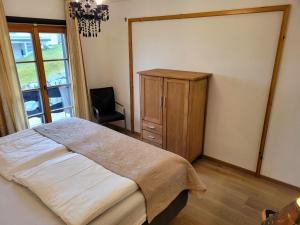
<point x="278" y="8"/>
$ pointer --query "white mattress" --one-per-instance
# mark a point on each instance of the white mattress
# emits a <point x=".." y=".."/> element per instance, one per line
<point x="76" y="188"/>
<point x="27" y="150"/>
<point x="18" y="206"/>
<point x="24" y="150"/>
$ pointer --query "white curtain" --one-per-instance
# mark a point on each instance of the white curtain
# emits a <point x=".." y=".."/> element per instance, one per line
<point x="80" y="91"/>
<point x="12" y="114"/>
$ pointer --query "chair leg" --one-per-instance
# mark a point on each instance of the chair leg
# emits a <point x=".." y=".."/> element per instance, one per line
<point x="125" y="123"/>
<point x="125" y="119"/>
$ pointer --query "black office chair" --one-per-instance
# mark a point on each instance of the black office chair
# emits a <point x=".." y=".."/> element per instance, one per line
<point x="104" y="106"/>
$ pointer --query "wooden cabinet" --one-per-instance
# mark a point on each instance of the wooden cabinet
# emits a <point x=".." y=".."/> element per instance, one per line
<point x="152" y="98"/>
<point x="176" y="97"/>
<point x="173" y="106"/>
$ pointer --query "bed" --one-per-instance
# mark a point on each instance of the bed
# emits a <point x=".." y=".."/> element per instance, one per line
<point x="45" y="181"/>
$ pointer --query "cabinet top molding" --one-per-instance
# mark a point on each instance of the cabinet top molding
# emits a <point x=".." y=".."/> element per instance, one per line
<point x="176" y="74"/>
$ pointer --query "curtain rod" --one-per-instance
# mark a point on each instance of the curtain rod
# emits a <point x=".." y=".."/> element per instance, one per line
<point x="15" y="19"/>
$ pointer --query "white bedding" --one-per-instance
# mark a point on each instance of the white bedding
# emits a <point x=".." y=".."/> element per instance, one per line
<point x="74" y="187"/>
<point x="17" y="200"/>
<point x="24" y="150"/>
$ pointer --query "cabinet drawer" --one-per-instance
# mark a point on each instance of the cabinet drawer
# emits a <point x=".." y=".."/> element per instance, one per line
<point x="152" y="127"/>
<point x="152" y="137"/>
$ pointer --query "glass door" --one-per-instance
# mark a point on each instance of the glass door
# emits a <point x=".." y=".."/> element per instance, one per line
<point x="41" y="59"/>
<point x="26" y="64"/>
<point x="55" y="61"/>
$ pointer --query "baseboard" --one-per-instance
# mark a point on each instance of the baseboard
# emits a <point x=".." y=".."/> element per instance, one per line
<point x="251" y="172"/>
<point x="228" y="164"/>
<point x="280" y="182"/>
<point x="136" y="135"/>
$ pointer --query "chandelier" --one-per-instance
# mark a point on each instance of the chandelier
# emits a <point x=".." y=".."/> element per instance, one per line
<point x="89" y="15"/>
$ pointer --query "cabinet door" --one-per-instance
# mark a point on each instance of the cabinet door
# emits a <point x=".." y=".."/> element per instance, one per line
<point x="176" y="107"/>
<point x="151" y="99"/>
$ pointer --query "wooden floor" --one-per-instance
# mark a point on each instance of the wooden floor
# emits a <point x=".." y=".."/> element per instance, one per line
<point x="232" y="198"/>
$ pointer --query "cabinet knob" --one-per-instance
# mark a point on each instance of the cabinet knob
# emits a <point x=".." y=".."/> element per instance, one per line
<point x="151" y="137"/>
<point x="151" y="127"/>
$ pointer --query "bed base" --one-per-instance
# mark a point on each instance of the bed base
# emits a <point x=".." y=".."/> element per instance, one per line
<point x="172" y="211"/>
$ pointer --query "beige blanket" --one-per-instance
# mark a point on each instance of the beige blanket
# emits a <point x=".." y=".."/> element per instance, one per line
<point x="161" y="175"/>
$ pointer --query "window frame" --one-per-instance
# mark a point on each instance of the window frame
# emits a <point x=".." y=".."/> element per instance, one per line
<point x="35" y="30"/>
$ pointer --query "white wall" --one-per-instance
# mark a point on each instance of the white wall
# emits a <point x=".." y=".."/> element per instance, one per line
<point x="107" y="64"/>
<point x="48" y="9"/>
<point x="240" y="52"/>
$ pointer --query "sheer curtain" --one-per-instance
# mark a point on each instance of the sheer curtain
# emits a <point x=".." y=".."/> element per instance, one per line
<point x="12" y="114"/>
<point x="80" y="91"/>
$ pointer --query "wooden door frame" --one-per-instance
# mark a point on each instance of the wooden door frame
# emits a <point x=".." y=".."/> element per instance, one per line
<point x="285" y="9"/>
<point x="34" y="30"/>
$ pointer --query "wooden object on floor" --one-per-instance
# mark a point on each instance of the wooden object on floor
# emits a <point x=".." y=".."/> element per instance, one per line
<point x="289" y="215"/>
<point x="173" y="108"/>
<point x="266" y="214"/>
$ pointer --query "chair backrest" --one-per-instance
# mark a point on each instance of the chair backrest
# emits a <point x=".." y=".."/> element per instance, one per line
<point x="103" y="99"/>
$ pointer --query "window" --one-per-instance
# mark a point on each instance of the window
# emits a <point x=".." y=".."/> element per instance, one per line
<point x="41" y="59"/>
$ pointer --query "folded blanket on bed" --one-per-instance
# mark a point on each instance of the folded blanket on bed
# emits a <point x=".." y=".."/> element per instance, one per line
<point x="24" y="150"/>
<point x="161" y="175"/>
<point x="76" y="188"/>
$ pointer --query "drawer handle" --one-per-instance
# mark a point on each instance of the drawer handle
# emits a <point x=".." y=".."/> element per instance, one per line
<point x="151" y="127"/>
<point x="151" y="137"/>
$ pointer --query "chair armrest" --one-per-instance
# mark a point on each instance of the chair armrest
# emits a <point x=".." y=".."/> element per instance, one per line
<point x="121" y="106"/>
<point x="96" y="112"/>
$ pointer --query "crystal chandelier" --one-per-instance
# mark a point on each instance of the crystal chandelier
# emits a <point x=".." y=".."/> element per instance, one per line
<point x="89" y="15"/>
